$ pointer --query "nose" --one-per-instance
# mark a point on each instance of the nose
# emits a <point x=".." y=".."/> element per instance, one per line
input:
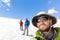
<point x="41" y="22"/>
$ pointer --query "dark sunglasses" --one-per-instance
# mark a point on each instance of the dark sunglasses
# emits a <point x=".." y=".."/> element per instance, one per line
<point x="42" y="19"/>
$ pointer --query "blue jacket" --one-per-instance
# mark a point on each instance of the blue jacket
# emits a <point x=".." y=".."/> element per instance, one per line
<point x="27" y="23"/>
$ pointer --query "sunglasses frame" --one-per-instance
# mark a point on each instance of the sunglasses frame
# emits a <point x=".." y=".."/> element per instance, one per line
<point x="42" y="19"/>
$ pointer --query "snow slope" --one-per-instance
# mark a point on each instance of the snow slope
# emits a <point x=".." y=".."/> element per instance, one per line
<point x="10" y="30"/>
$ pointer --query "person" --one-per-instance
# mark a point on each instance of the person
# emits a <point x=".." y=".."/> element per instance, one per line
<point x="27" y="23"/>
<point x="44" y="22"/>
<point x="21" y="25"/>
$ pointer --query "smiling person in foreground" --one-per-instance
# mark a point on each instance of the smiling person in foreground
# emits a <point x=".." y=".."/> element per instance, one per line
<point x="44" y="22"/>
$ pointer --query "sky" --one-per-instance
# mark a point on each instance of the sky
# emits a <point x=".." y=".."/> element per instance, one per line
<point x="22" y="9"/>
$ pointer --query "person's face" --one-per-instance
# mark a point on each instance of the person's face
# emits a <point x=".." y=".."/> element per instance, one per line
<point x="43" y="23"/>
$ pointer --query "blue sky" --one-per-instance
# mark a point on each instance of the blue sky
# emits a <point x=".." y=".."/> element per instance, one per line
<point x="21" y="9"/>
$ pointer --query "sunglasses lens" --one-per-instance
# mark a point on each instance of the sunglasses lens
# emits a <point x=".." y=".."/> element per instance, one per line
<point x="42" y="19"/>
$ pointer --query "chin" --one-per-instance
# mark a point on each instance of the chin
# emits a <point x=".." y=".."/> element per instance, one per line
<point x="42" y="29"/>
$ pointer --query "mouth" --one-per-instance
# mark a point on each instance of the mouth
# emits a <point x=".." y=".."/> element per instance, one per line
<point x="42" y="25"/>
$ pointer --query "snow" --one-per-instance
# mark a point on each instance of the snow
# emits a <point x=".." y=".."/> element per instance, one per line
<point x="10" y="30"/>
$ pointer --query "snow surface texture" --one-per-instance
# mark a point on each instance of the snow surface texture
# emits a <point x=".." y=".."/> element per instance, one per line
<point x="10" y="30"/>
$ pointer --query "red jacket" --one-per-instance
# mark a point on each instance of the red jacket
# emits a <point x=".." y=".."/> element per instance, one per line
<point x="21" y="23"/>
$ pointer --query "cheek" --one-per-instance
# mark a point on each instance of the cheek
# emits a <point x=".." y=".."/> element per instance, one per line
<point x="37" y="24"/>
<point x="47" y="23"/>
